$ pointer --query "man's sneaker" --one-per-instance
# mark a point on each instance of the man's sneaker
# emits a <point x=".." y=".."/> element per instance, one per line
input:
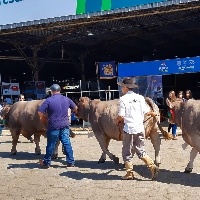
<point x="43" y="165"/>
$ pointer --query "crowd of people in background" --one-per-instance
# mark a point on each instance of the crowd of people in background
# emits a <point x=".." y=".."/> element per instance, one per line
<point x="169" y="101"/>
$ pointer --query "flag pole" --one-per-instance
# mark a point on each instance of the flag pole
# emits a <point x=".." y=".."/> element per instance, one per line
<point x="98" y="85"/>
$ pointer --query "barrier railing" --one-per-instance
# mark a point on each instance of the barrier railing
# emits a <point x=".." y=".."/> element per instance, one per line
<point x="109" y="94"/>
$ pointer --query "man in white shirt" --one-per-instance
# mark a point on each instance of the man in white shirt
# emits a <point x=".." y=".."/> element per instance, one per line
<point x="132" y="108"/>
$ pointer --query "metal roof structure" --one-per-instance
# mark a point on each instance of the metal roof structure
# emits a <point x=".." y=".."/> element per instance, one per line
<point x="153" y="31"/>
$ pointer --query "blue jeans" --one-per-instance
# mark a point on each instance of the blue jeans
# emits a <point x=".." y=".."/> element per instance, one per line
<point x="174" y="128"/>
<point x="52" y="138"/>
<point x="1" y="130"/>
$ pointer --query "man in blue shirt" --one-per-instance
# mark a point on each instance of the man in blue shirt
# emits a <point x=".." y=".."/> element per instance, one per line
<point x="56" y="108"/>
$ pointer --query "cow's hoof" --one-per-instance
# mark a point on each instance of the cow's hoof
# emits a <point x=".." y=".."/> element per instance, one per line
<point x="54" y="156"/>
<point x="13" y="152"/>
<point x="188" y="170"/>
<point x="72" y="134"/>
<point x="116" y="160"/>
<point x="101" y="161"/>
<point x="38" y="151"/>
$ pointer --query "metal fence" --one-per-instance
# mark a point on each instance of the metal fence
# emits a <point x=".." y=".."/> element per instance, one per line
<point x="101" y="94"/>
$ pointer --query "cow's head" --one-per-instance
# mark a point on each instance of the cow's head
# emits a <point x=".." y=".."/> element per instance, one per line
<point x="4" y="113"/>
<point x="5" y="110"/>
<point x="83" y="107"/>
<point x="178" y="104"/>
<point x="178" y="107"/>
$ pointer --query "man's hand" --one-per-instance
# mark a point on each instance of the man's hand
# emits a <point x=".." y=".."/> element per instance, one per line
<point x="44" y="121"/>
<point x="43" y="118"/>
<point x="119" y="119"/>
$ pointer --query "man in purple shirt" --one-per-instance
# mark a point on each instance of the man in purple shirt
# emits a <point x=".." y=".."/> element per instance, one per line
<point x="56" y="107"/>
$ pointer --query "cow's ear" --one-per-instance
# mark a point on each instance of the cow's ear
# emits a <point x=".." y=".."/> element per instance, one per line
<point x="81" y="99"/>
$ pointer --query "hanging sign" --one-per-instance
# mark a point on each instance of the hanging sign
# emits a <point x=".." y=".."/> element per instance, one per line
<point x="107" y="70"/>
<point x="160" y="67"/>
<point x="10" y="88"/>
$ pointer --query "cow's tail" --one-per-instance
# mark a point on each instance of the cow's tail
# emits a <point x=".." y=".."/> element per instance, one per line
<point x="166" y="135"/>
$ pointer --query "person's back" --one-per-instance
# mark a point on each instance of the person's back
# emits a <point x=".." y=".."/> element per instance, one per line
<point x="132" y="108"/>
<point x="56" y="107"/>
<point x="57" y="111"/>
<point x="135" y="110"/>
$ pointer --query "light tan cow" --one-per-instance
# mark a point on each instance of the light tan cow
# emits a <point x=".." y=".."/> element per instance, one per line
<point x="187" y="116"/>
<point x="22" y="118"/>
<point x="102" y="117"/>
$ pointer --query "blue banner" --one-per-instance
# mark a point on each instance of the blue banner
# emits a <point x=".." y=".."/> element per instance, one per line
<point x="148" y="86"/>
<point x="107" y="70"/>
<point x="160" y="67"/>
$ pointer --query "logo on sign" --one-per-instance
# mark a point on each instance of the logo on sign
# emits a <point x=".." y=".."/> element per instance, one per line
<point x="185" y="65"/>
<point x="163" y="67"/>
<point x="5" y="2"/>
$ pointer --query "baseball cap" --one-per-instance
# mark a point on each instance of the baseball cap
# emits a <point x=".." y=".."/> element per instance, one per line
<point x="55" y="87"/>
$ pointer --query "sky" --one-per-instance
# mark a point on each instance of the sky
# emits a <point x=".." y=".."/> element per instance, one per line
<point x="29" y="10"/>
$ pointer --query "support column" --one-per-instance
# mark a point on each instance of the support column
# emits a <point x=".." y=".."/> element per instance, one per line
<point x="82" y="62"/>
<point x="35" y="64"/>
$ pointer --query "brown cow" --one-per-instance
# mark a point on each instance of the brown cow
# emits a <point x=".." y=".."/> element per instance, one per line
<point x="187" y="116"/>
<point x="102" y="117"/>
<point x="23" y="118"/>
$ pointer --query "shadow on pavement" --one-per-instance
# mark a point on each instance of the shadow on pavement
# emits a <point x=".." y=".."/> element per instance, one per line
<point x="6" y="142"/>
<point x="93" y="176"/>
<point x="171" y="177"/>
<point x="25" y="166"/>
<point x="93" y="164"/>
<point x="35" y="165"/>
<point x="164" y="176"/>
<point x="20" y="156"/>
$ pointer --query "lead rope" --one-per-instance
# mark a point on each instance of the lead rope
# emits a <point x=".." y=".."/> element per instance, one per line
<point x="120" y="131"/>
<point x="88" y="118"/>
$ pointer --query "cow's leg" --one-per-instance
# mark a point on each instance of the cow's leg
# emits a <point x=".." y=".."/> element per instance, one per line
<point x="102" y="139"/>
<point x="55" y="153"/>
<point x="15" y="138"/>
<point x="37" y="144"/>
<point x="155" y="140"/>
<point x="103" y="155"/>
<point x="193" y="154"/>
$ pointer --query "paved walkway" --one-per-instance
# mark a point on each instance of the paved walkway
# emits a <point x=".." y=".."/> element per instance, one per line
<point x="22" y="178"/>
